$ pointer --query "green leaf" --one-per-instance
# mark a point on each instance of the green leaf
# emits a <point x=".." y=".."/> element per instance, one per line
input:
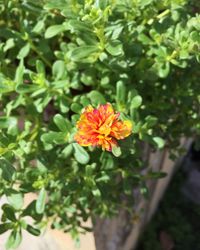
<point x="54" y="137"/>
<point x="58" y="69"/>
<point x="96" y="192"/>
<point x="24" y="51"/>
<point x="136" y="102"/>
<point x="6" y="122"/>
<point x="7" y="170"/>
<point x="151" y="121"/>
<point x="15" y="198"/>
<point x="40" y="203"/>
<point x="56" y="4"/>
<point x="81" y="154"/>
<point x="10" y="43"/>
<point x="38" y="27"/>
<point x="88" y="77"/>
<point x="26" y="88"/>
<point x="96" y="97"/>
<point x="33" y="230"/>
<point x="121" y="92"/>
<point x="117" y="30"/>
<point x="160" y="143"/>
<point x="107" y="160"/>
<point x="163" y="69"/>
<point x="14" y="239"/>
<point x="105" y="81"/>
<point x="195" y="35"/>
<point x="40" y="67"/>
<point x="42" y="102"/>
<point x="84" y="101"/>
<point x="9" y="212"/>
<point x="19" y="73"/>
<point x="90" y="169"/>
<point x="67" y="151"/>
<point x="30" y="210"/>
<point x="104" y="178"/>
<point x="84" y="52"/>
<point x="115" y="48"/>
<point x="6" y="85"/>
<point x="55" y="30"/>
<point x="75" y="107"/>
<point x="144" y="3"/>
<point x="145" y="39"/>
<point x="61" y="123"/>
<point x="79" y="26"/>
<point x="116" y="151"/>
<point x="5" y="227"/>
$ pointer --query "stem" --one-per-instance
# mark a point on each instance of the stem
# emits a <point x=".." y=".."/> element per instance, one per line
<point x="164" y="13"/>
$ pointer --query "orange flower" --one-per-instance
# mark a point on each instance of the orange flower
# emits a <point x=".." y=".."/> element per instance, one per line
<point x="101" y="127"/>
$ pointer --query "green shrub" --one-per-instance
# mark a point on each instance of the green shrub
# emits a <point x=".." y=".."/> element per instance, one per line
<point x="59" y="56"/>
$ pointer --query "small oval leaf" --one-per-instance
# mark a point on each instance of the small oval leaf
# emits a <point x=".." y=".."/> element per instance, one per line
<point x="40" y="203"/>
<point x="81" y="154"/>
<point x="33" y="230"/>
<point x="54" y="30"/>
<point x="61" y="123"/>
<point x="116" y="151"/>
<point x="5" y="227"/>
<point x="136" y="102"/>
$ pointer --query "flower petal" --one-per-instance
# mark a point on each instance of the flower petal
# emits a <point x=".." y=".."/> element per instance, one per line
<point x="121" y="129"/>
<point x="107" y="143"/>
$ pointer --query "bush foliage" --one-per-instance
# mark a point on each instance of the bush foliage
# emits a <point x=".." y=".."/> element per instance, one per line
<point x="57" y="57"/>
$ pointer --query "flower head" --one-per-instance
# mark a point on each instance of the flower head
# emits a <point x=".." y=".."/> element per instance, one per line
<point x="101" y="127"/>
